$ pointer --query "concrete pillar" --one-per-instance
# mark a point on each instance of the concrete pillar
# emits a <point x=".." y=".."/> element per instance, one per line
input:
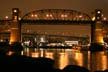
<point x="15" y="33"/>
<point x="97" y="42"/>
<point x="98" y="26"/>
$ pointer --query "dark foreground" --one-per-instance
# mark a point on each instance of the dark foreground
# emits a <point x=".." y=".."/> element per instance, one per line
<point x="12" y="60"/>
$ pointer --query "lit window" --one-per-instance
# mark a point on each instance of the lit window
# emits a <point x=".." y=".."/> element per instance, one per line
<point x="63" y="15"/>
<point x="48" y="15"/>
<point x="80" y="16"/>
<point x="98" y="17"/>
<point x="32" y="15"/>
<point x="93" y="18"/>
<point x="15" y="17"/>
<point x="104" y="18"/>
<point x="98" y="12"/>
<point x="6" y="17"/>
<point x="35" y="15"/>
<point x="15" y="11"/>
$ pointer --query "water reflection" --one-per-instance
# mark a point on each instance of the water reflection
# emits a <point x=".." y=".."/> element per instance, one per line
<point x="93" y="61"/>
<point x="98" y="61"/>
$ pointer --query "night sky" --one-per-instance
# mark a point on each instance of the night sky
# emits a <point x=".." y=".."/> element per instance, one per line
<point x="86" y="6"/>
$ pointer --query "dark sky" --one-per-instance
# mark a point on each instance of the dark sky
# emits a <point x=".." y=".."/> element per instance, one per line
<point x="86" y="6"/>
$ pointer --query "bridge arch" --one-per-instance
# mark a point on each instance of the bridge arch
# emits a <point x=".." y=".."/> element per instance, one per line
<point x="56" y="14"/>
<point x="37" y="20"/>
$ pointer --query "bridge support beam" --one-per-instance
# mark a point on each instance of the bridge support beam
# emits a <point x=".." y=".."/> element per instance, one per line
<point x="15" y="33"/>
<point x="97" y="42"/>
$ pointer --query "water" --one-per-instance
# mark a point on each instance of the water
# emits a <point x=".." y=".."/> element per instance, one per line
<point x="92" y="61"/>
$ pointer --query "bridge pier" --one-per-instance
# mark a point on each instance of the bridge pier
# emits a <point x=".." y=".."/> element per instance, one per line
<point x="97" y="42"/>
<point x="15" y="33"/>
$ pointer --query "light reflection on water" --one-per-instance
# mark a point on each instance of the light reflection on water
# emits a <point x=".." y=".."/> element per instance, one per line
<point x="98" y="61"/>
<point x="92" y="61"/>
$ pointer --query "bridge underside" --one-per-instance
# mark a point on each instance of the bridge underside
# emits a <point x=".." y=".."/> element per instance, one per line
<point x="65" y="30"/>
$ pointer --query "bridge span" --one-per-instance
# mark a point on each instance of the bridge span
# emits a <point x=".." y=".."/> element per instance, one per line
<point x="56" y="17"/>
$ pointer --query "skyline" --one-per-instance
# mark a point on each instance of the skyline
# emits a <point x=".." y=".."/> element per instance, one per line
<point x="25" y="6"/>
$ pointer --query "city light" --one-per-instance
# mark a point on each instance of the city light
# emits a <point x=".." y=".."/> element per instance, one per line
<point x="55" y="15"/>
<point x="98" y="12"/>
<point x="104" y="18"/>
<point x="60" y="35"/>
<point x="6" y="17"/>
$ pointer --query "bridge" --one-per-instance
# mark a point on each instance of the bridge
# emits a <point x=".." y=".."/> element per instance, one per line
<point x="56" y="17"/>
